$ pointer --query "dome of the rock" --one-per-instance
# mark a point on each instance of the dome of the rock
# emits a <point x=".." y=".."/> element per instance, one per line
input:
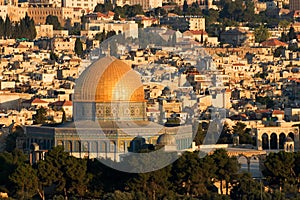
<point x="109" y="90"/>
<point x="109" y="80"/>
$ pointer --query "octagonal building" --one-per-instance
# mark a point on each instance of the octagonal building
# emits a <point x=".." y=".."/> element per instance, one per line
<point x="109" y="110"/>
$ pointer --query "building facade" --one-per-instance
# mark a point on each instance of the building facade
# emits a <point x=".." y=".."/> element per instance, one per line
<point x="294" y="5"/>
<point x="197" y="23"/>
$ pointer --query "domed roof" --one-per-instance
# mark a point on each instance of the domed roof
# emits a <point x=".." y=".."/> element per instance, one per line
<point x="109" y="80"/>
<point x="166" y="139"/>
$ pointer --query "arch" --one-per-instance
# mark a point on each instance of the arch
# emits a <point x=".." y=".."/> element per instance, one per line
<point x="122" y="146"/>
<point x="85" y="146"/>
<point x="255" y="166"/>
<point x="94" y="146"/>
<point x="112" y="146"/>
<point x="103" y="147"/>
<point x="265" y="141"/>
<point x="281" y="140"/>
<point x="68" y="146"/>
<point x="77" y="146"/>
<point x="273" y="141"/>
<point x="244" y="162"/>
<point x="291" y="147"/>
<point x="59" y="142"/>
<point x="291" y="135"/>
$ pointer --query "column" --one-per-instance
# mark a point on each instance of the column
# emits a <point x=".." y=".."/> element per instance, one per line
<point x="125" y="146"/>
<point x="248" y="163"/>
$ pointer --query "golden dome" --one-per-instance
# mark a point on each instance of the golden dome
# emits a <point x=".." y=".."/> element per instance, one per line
<point x="119" y="83"/>
<point x="109" y="80"/>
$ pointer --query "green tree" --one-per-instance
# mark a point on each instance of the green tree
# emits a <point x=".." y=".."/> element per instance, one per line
<point x="154" y="185"/>
<point x="28" y="27"/>
<point x="101" y="36"/>
<point x="107" y="6"/>
<point x="249" y="14"/>
<point x="284" y="37"/>
<point x="53" y="56"/>
<point x="248" y="188"/>
<point x="8" y="29"/>
<point x="243" y="133"/>
<point x="265" y="100"/>
<point x="292" y="34"/>
<point x="40" y="116"/>
<point x="279" y="51"/>
<point x="99" y="8"/>
<point x="160" y="11"/>
<point x="185" y="7"/>
<point x="110" y="34"/>
<point x="226" y="135"/>
<point x="10" y="141"/>
<point x="227" y="167"/>
<point x="78" y="48"/>
<point x="132" y="11"/>
<point x="1" y="27"/>
<point x="200" y="133"/>
<point x="68" y="24"/>
<point x="261" y="34"/>
<point x="188" y="178"/>
<point x="50" y="170"/>
<point x="64" y="117"/>
<point x="177" y="10"/>
<point x="76" y="175"/>
<point x="116" y="16"/>
<point x="283" y="24"/>
<point x="9" y="163"/>
<point x="279" y="168"/>
<point x="25" y="182"/>
<point x="53" y="20"/>
<point x="68" y="174"/>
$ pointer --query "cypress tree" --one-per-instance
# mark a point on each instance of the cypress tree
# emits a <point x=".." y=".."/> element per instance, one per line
<point x="16" y="31"/>
<point x="78" y="47"/>
<point x="32" y="29"/>
<point x="7" y="28"/>
<point x="1" y="27"/>
<point x="185" y="7"/>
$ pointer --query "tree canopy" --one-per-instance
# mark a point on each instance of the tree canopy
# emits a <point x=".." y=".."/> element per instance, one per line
<point x="261" y="34"/>
<point x="53" y="20"/>
<point x="25" y="28"/>
<point x="78" y="48"/>
<point x="60" y="175"/>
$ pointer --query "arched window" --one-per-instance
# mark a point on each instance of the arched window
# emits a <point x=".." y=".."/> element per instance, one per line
<point x="265" y="141"/>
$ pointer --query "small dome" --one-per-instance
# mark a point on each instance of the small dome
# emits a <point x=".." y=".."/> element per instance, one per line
<point x="289" y="139"/>
<point x="139" y="139"/>
<point x="166" y="139"/>
<point x="167" y="88"/>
